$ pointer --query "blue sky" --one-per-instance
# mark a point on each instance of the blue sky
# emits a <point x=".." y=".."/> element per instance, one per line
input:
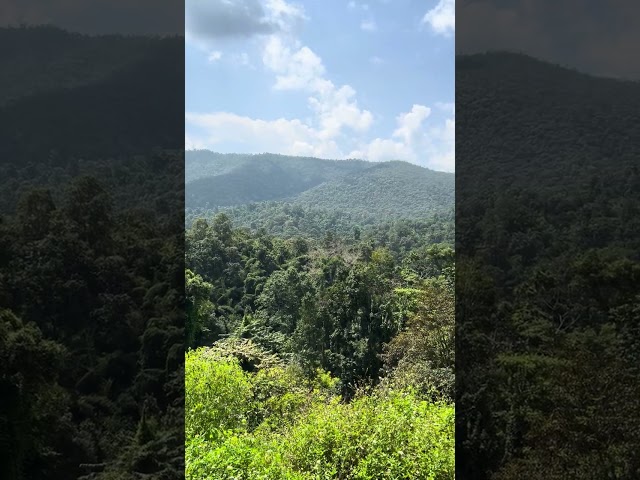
<point x="332" y="79"/>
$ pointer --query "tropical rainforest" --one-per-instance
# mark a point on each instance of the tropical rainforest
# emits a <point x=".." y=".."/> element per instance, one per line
<point x="548" y="269"/>
<point x="91" y="256"/>
<point x="320" y="319"/>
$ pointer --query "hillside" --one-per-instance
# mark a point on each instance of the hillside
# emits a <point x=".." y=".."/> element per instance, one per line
<point x="547" y="242"/>
<point x="393" y="189"/>
<point x="554" y="123"/>
<point x="87" y="97"/>
<point x="45" y="58"/>
<point x="390" y="189"/>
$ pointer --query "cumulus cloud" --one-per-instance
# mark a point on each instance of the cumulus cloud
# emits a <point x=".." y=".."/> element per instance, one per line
<point x="224" y="19"/>
<point x="301" y="69"/>
<point x="413" y="140"/>
<point x="298" y="68"/>
<point x="442" y="17"/>
<point x="409" y="124"/>
<point x="291" y="137"/>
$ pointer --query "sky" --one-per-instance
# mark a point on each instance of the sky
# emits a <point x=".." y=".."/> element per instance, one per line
<point x="332" y="79"/>
<point x="596" y="37"/>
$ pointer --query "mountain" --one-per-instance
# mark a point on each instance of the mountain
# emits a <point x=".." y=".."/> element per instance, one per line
<point x="394" y="189"/>
<point x="547" y="242"/>
<point x="388" y="189"/>
<point x="87" y="97"/>
<point x="38" y="59"/>
<point x="553" y="122"/>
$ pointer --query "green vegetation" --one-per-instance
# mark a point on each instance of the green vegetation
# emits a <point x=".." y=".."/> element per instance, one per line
<point x="90" y="336"/>
<point x="91" y="257"/>
<point x="389" y="190"/>
<point x="548" y="235"/>
<point x="320" y="338"/>
<point x="277" y="423"/>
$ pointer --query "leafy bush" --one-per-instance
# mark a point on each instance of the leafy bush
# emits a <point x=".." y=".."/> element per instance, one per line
<point x="306" y="431"/>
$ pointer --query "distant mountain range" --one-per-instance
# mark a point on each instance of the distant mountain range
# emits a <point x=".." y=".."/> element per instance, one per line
<point x="553" y="122"/>
<point x="69" y="95"/>
<point x="394" y="189"/>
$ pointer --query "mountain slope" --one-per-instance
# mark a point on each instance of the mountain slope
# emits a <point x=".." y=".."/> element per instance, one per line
<point x="98" y="97"/>
<point x="232" y="179"/>
<point x="394" y="189"/>
<point x="553" y="122"/>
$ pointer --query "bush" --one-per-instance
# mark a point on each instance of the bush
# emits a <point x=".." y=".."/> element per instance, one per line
<point x="305" y="431"/>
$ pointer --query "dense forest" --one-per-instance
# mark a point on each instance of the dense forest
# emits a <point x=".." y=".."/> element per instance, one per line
<point x="91" y="256"/>
<point x="548" y="268"/>
<point x="320" y="341"/>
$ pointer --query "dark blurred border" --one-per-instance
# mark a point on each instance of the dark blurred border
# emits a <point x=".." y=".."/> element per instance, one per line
<point x="92" y="239"/>
<point x="547" y="240"/>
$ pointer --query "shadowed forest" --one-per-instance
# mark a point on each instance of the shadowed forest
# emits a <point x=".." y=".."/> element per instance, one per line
<point x="91" y="256"/>
<point x="547" y="272"/>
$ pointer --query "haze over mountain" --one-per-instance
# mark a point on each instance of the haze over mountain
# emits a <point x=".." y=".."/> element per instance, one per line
<point x="386" y="189"/>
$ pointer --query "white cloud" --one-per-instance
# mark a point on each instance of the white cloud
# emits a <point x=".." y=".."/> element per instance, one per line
<point x="441" y="146"/>
<point x="291" y="137"/>
<point x="302" y="69"/>
<point x="375" y="60"/>
<point x="442" y="17"/>
<point x="286" y="15"/>
<point x="336" y="109"/>
<point x="368" y="25"/>
<point x="413" y="141"/>
<point x="215" y="56"/>
<point x="409" y="124"/>
<point x="336" y="123"/>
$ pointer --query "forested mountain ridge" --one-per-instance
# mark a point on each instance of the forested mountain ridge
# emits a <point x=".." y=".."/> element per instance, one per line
<point x="386" y="189"/>
<point x="578" y="126"/>
<point x="205" y="163"/>
<point x="547" y="242"/>
<point x="75" y="101"/>
<point x="38" y="59"/>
